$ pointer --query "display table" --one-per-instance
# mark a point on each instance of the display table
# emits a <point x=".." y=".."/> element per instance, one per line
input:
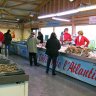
<point x="15" y="85"/>
<point x="13" y="80"/>
<point x="81" y="68"/>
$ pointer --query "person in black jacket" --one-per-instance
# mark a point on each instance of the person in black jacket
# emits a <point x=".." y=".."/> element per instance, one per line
<point x="40" y="37"/>
<point x="52" y="47"/>
<point x="7" y="41"/>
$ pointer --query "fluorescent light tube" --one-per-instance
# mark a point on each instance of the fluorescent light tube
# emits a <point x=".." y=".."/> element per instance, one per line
<point x="46" y="16"/>
<point x="60" y="19"/>
<point x="67" y="12"/>
<point x="86" y="8"/>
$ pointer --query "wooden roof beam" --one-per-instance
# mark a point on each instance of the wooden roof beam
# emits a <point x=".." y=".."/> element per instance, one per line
<point x="22" y="4"/>
<point x="15" y="16"/>
<point x="4" y="3"/>
<point x="7" y="8"/>
<point x="25" y="2"/>
<point x="9" y="13"/>
<point x="17" y="5"/>
<point x="44" y="2"/>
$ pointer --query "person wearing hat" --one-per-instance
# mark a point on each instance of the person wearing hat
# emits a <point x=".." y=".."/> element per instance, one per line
<point x="81" y="40"/>
<point x="67" y="36"/>
<point x="32" y="42"/>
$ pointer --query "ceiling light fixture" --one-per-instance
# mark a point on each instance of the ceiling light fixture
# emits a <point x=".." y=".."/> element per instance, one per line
<point x="17" y="19"/>
<point x="86" y="8"/>
<point x="60" y="19"/>
<point x="46" y="16"/>
<point x="71" y="0"/>
<point x="31" y="15"/>
<point x="67" y="12"/>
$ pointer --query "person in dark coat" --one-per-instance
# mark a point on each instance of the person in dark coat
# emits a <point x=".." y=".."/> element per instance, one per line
<point x="40" y="37"/>
<point x="7" y="41"/>
<point x="52" y="47"/>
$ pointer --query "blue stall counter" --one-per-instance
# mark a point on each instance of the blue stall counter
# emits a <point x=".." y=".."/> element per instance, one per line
<point x="78" y="67"/>
<point x="81" y="68"/>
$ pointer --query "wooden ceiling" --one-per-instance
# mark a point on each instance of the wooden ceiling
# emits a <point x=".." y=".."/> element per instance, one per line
<point x="19" y="10"/>
<point x="55" y="6"/>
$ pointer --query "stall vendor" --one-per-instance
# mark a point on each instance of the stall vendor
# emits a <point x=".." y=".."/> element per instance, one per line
<point x="81" y="40"/>
<point x="67" y="36"/>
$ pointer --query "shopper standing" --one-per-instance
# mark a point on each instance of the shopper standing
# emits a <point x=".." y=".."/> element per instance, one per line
<point x="40" y="37"/>
<point x="7" y="42"/>
<point x="32" y="42"/>
<point x="52" y="47"/>
<point x="1" y="40"/>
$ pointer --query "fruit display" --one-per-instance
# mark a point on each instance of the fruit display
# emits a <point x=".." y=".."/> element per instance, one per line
<point x="78" y="51"/>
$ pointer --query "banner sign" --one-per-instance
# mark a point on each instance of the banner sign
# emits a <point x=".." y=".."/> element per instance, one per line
<point x="53" y="23"/>
<point x="92" y="20"/>
<point x="79" y="69"/>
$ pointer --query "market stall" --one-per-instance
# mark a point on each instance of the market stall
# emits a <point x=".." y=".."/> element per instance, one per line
<point x="75" y="65"/>
<point x="13" y="81"/>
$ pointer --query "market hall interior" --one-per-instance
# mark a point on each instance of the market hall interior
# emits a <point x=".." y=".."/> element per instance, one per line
<point x="41" y="84"/>
<point x="23" y="16"/>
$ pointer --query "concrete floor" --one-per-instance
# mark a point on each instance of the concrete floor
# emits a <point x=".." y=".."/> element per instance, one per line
<point x="41" y="84"/>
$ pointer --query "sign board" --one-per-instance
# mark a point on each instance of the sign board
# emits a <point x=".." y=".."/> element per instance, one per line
<point x="53" y="23"/>
<point x="79" y="69"/>
<point x="92" y="20"/>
